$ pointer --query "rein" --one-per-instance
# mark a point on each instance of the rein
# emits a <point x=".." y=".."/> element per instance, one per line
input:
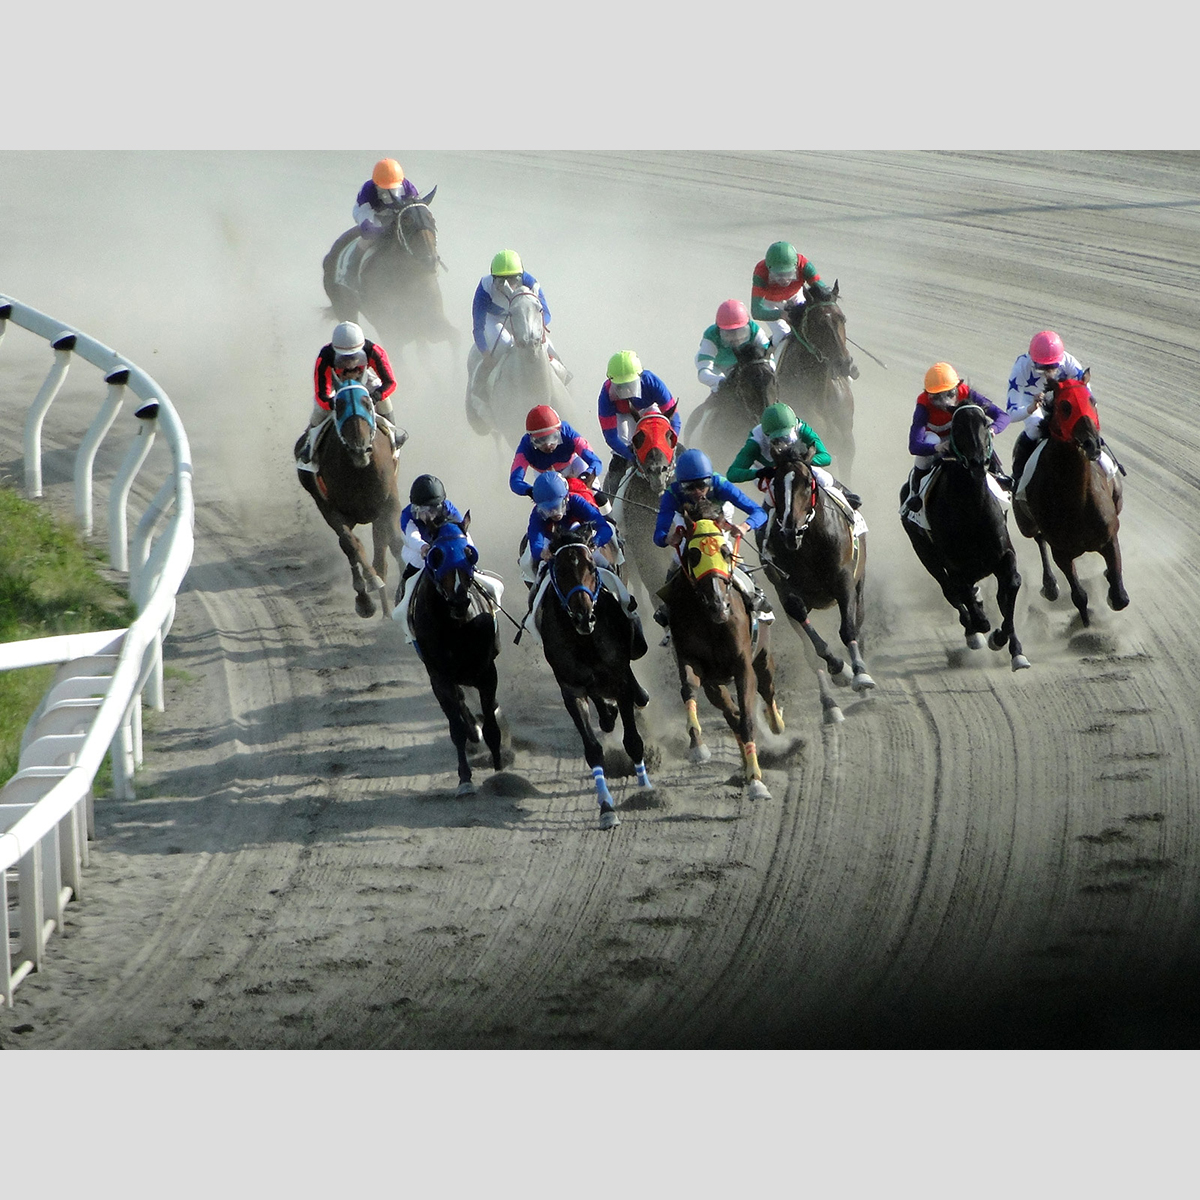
<point x="402" y="237"/>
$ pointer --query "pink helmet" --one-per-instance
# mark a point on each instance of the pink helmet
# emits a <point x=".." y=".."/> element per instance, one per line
<point x="1046" y="349"/>
<point x="732" y="315"/>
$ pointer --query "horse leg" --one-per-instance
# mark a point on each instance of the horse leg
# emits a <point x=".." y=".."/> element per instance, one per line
<point x="745" y="682"/>
<point x="356" y="555"/>
<point x="487" y="683"/>
<point x="631" y="737"/>
<point x="576" y="704"/>
<point x="1079" y="596"/>
<point x="698" y="752"/>
<point x="450" y="697"/>
<point x="1049" y="583"/>
<point x="1009" y="579"/>
<point x="764" y="671"/>
<point x="798" y="612"/>
<point x="1118" y="598"/>
<point x="381" y="537"/>
<point x="851" y="606"/>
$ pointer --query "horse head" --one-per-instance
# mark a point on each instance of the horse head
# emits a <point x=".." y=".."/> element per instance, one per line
<point x="573" y="575"/>
<point x="820" y="327"/>
<point x="707" y="559"/>
<point x="1073" y="416"/>
<point x="752" y="378"/>
<point x="354" y="419"/>
<point x="794" y="490"/>
<point x="525" y="320"/>
<point x="416" y="231"/>
<point x="450" y="564"/>
<point x="653" y="445"/>
<point x="970" y="440"/>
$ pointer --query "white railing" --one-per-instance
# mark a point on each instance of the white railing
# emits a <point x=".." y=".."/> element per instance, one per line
<point x="94" y="706"/>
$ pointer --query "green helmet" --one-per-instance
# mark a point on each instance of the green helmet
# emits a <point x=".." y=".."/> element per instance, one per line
<point x="781" y="256"/>
<point x="778" y="420"/>
<point x="507" y="262"/>
<point x="624" y="367"/>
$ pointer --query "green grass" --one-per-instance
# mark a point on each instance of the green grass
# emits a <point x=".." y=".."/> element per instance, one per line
<point x="49" y="584"/>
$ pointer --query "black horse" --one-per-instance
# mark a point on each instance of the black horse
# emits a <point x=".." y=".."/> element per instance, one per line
<point x="393" y="282"/>
<point x="590" y="644"/>
<point x="720" y="425"/>
<point x="967" y="538"/>
<point x="814" y="372"/>
<point x="815" y="560"/>
<point x="454" y="628"/>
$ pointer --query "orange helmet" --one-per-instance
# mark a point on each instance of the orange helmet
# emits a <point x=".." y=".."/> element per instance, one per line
<point x="388" y="173"/>
<point x="941" y="377"/>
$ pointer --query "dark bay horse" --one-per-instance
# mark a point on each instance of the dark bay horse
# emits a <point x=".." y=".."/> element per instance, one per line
<point x="395" y="284"/>
<point x="717" y="643"/>
<point x="815" y="560"/>
<point x="815" y="369"/>
<point x="590" y="644"/>
<point x="720" y="424"/>
<point x="453" y="622"/>
<point x="355" y="484"/>
<point x="1070" y="505"/>
<point x="635" y="506"/>
<point x="967" y="539"/>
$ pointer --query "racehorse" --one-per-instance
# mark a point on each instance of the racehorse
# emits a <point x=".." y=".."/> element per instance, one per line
<point x="523" y="376"/>
<point x="635" y="505"/>
<point x="967" y="538"/>
<point x="815" y="560"/>
<point x="721" y="423"/>
<point x="717" y="642"/>
<point x="395" y="283"/>
<point x="814" y="373"/>
<point x="453" y="623"/>
<point x="590" y="644"/>
<point x="1070" y="504"/>
<point x="355" y="484"/>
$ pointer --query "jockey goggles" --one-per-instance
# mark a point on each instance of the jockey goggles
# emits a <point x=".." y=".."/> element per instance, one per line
<point x="426" y="512"/>
<point x="697" y="485"/>
<point x="784" y="440"/>
<point x="736" y="337"/>
<point x="628" y="391"/>
<point x="944" y="397"/>
<point x="546" y="441"/>
<point x="553" y="512"/>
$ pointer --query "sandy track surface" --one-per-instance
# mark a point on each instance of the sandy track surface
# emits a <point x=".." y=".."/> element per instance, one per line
<point x="974" y="858"/>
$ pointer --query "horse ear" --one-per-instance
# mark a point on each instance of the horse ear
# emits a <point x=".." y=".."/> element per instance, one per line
<point x="835" y="289"/>
<point x="672" y="438"/>
<point x="429" y="197"/>
<point x="466" y="521"/>
<point x="1087" y="374"/>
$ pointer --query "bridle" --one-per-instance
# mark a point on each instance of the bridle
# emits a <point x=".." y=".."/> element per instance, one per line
<point x="785" y="483"/>
<point x="593" y="593"/>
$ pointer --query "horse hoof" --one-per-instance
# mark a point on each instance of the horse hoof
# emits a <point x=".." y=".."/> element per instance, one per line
<point x="466" y="788"/>
<point x="608" y="818"/>
<point x="834" y="715"/>
<point x="976" y="641"/>
<point x="699" y="754"/>
<point x="364" y="605"/>
<point x="996" y="640"/>
<point x="1020" y="662"/>
<point x="1050" y="593"/>
<point x="757" y="790"/>
<point x="862" y="682"/>
<point x="842" y="676"/>
<point x="1118" y="604"/>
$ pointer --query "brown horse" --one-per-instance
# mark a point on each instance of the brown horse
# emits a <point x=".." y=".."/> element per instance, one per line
<point x="1069" y="504"/>
<point x="815" y="369"/>
<point x="395" y="284"/>
<point x="815" y="560"/>
<point x="355" y="484"/>
<point x="717" y="642"/>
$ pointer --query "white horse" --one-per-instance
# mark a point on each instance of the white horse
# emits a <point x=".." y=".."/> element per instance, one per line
<point x="524" y="376"/>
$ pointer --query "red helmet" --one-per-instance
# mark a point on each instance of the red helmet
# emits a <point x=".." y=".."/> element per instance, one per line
<point x="542" y="419"/>
<point x="732" y="315"/>
<point x="1046" y="349"/>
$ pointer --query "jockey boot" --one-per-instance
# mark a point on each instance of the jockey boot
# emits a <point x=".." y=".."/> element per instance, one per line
<point x="617" y="466"/>
<point x="914" y="502"/>
<point x="996" y="469"/>
<point x="560" y="368"/>
<point x="1022" y="449"/>
<point x="852" y="498"/>
<point x="854" y="373"/>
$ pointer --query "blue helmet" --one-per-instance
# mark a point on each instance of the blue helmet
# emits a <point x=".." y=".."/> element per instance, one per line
<point x="549" y="488"/>
<point x="693" y="465"/>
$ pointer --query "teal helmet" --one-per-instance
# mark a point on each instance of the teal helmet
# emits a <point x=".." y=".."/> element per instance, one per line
<point x="782" y="256"/>
<point x="778" y="421"/>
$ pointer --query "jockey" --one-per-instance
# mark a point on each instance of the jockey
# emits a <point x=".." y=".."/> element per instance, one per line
<point x="780" y="429"/>
<point x="733" y="328"/>
<point x="1046" y="361"/>
<point x="380" y="197"/>
<point x="696" y="480"/>
<point x="778" y="287"/>
<point x="928" y="439"/>
<point x="550" y="444"/>
<point x="489" y="309"/>
<point x="349" y="358"/>
<point x="625" y="397"/>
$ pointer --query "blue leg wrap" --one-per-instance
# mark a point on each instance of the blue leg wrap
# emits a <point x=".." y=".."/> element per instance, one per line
<point x="603" y="795"/>
<point x="643" y="776"/>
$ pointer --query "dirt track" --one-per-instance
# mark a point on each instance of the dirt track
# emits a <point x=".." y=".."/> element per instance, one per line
<point x="974" y="858"/>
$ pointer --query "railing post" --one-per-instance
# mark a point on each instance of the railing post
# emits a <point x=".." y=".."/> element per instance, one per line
<point x="139" y="552"/>
<point x="118" y="497"/>
<point x="85" y="456"/>
<point x="63" y="345"/>
<point x="5" y="313"/>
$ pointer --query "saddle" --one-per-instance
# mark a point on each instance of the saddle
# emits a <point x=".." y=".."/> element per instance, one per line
<point x="351" y="260"/>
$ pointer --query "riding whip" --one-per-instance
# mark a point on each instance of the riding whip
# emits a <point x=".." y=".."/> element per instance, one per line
<point x="867" y="353"/>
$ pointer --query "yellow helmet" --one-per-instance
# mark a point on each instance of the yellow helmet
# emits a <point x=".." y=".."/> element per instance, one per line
<point x="507" y="262"/>
<point x="388" y="173"/>
<point x="941" y="377"/>
<point x="624" y="366"/>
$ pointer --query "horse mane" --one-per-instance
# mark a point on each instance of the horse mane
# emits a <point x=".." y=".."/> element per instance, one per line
<point x="576" y="535"/>
<point x="700" y="510"/>
<point x="796" y="455"/>
<point x="751" y="352"/>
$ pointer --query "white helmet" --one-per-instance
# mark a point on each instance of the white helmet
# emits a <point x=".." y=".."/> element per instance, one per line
<point x="347" y="338"/>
